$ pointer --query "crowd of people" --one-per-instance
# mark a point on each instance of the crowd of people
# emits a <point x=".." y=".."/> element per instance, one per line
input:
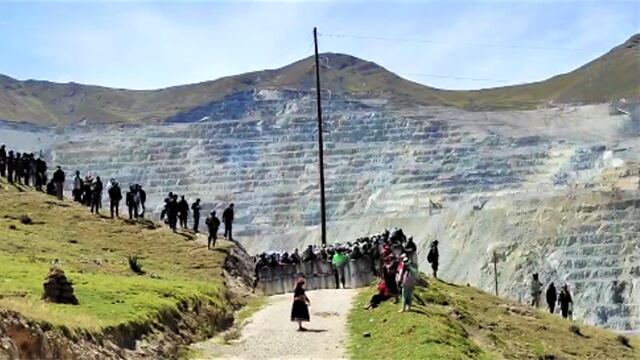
<point x="23" y="169"/>
<point x="26" y="169"/>
<point x="563" y="299"/>
<point x="176" y="212"/>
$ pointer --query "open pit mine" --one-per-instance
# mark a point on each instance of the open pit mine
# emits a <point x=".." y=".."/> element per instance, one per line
<point x="550" y="189"/>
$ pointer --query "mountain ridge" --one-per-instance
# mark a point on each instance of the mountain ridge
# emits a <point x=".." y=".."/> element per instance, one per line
<point x="609" y="77"/>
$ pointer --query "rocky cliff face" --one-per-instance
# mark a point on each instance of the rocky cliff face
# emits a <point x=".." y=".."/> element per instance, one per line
<point x="535" y="184"/>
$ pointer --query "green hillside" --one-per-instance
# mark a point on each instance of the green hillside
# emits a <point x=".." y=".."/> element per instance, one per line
<point x="458" y="323"/>
<point x="93" y="251"/>
<point x="610" y="77"/>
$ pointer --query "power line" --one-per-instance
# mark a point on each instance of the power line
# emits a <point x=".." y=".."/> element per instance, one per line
<point x="435" y="42"/>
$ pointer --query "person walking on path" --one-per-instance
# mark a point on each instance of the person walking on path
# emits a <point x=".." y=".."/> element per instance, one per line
<point x="195" y="210"/>
<point x="565" y="301"/>
<point x="339" y="261"/>
<point x="227" y="218"/>
<point x="536" y="291"/>
<point x="552" y="297"/>
<point x="213" y="223"/>
<point x="183" y="211"/>
<point x="300" y="307"/>
<point x="115" y="195"/>
<point x="58" y="182"/>
<point x="434" y="257"/>
<point x="96" y="195"/>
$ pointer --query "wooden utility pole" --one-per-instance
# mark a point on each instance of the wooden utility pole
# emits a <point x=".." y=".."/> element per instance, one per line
<point x="495" y="270"/>
<point x="320" y="142"/>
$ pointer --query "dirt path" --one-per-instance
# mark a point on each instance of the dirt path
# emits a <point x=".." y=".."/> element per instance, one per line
<point x="269" y="334"/>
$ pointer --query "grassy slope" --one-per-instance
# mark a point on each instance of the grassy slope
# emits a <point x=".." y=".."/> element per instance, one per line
<point x="609" y="77"/>
<point x="456" y="322"/>
<point x="93" y="251"/>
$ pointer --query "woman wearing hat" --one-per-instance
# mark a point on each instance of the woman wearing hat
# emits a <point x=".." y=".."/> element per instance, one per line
<point x="300" y="309"/>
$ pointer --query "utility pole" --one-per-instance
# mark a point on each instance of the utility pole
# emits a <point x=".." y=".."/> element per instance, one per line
<point x="320" y="142"/>
<point x="495" y="270"/>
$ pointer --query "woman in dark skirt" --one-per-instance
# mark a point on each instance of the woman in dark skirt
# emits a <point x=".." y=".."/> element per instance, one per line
<point x="300" y="310"/>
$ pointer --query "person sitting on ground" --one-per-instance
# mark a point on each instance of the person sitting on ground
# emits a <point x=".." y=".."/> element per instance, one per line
<point x="300" y="307"/>
<point x="382" y="295"/>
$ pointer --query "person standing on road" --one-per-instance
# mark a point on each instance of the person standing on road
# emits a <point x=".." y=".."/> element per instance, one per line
<point x="58" y="182"/>
<point x="213" y="223"/>
<point x="227" y="218"/>
<point x="300" y="307"/>
<point x="339" y="261"/>
<point x="195" y="209"/>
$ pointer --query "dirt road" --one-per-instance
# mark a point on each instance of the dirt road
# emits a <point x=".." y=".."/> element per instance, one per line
<point x="270" y="334"/>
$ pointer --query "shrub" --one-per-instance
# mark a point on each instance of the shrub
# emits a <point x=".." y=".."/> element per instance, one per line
<point x="623" y="340"/>
<point x="135" y="265"/>
<point x="26" y="220"/>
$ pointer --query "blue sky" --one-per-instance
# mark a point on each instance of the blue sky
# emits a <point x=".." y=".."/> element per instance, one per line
<point x="453" y="44"/>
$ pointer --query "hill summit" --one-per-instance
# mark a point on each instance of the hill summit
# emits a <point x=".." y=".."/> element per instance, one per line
<point x="611" y="77"/>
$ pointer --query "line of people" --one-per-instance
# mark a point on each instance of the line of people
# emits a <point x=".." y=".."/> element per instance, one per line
<point x="23" y="169"/>
<point x="563" y="299"/>
<point x="176" y="212"/>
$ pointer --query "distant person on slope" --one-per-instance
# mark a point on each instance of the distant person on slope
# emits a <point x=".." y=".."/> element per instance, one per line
<point x="142" y="199"/>
<point x="552" y="297"/>
<point x="172" y="212"/>
<point x="195" y="210"/>
<point x="11" y="167"/>
<point x="339" y="262"/>
<point x="213" y="223"/>
<point x="183" y="211"/>
<point x="115" y="195"/>
<point x="408" y="282"/>
<point x="227" y="218"/>
<point x="96" y="195"/>
<point x="58" y="182"/>
<point x="17" y="177"/>
<point x="3" y="160"/>
<point x="300" y="307"/>
<point x="434" y="257"/>
<point x="536" y="291"/>
<point x="41" y="173"/>
<point x="77" y="187"/>
<point x="565" y="301"/>
<point x="131" y="206"/>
